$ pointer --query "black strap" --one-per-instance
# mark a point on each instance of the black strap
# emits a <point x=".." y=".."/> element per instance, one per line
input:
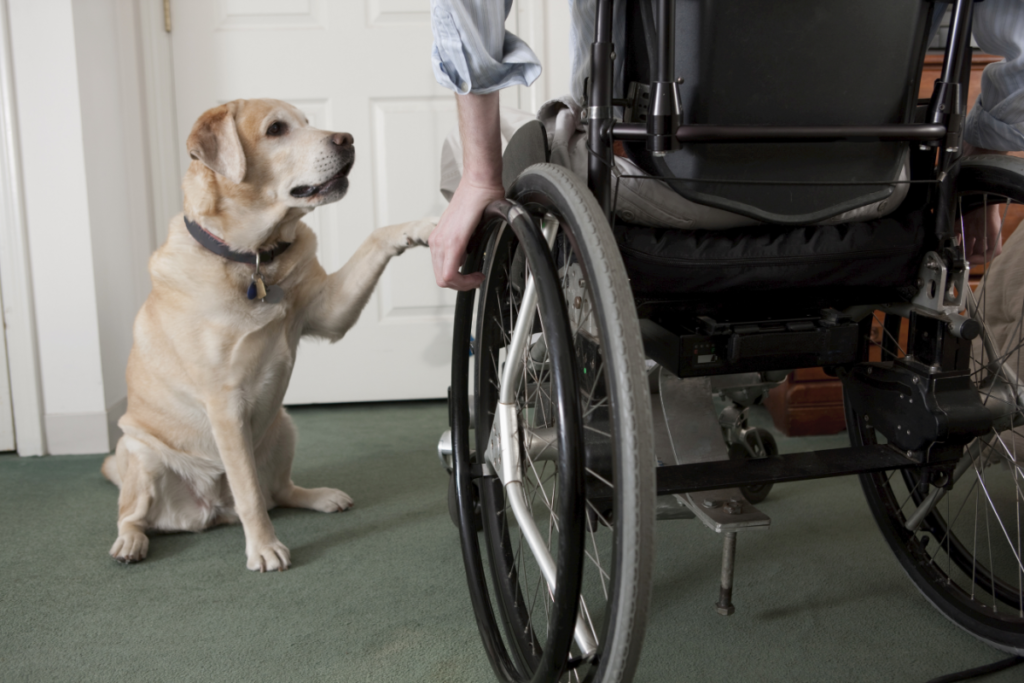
<point x="220" y="249"/>
<point x="977" y="672"/>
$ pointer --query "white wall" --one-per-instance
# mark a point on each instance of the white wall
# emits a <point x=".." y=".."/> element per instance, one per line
<point x="86" y="205"/>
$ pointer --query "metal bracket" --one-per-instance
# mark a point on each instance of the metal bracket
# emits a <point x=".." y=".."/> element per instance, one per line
<point x="962" y="326"/>
<point x="726" y="510"/>
<point x="937" y="291"/>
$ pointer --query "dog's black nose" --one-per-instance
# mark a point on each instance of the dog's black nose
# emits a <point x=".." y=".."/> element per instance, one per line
<point x="342" y="139"/>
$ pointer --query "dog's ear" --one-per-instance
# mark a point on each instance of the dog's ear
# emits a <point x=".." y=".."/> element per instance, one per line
<point x="214" y="141"/>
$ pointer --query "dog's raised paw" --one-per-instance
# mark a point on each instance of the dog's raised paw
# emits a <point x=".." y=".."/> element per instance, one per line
<point x="130" y="547"/>
<point x="418" y="233"/>
<point x="269" y="557"/>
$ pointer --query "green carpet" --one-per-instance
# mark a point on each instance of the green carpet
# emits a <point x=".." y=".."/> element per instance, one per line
<point x="378" y="593"/>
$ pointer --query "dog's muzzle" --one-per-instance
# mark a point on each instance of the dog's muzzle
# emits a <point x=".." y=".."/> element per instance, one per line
<point x="337" y="182"/>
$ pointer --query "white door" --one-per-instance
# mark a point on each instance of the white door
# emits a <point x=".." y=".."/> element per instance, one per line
<point x="362" y="67"/>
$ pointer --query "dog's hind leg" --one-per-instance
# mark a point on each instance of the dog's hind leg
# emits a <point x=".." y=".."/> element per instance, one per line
<point x="137" y="489"/>
<point x="109" y="470"/>
<point x="275" y="455"/>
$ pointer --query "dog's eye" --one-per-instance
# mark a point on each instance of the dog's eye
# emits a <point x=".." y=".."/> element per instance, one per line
<point x="276" y="129"/>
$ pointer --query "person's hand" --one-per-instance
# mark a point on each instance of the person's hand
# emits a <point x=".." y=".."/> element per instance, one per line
<point x="450" y="237"/>
<point x="983" y="238"/>
<point x="480" y="129"/>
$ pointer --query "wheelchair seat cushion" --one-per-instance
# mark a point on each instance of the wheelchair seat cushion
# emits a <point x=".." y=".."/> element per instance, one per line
<point x="650" y="201"/>
<point x="884" y="252"/>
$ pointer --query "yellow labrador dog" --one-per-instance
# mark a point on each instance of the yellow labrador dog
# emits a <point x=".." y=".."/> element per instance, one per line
<point x="206" y="439"/>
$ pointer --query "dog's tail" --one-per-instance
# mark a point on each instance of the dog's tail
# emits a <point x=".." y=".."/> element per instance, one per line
<point x="109" y="470"/>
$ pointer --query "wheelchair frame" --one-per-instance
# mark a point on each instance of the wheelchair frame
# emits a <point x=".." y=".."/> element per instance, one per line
<point x="942" y="131"/>
<point x="935" y="371"/>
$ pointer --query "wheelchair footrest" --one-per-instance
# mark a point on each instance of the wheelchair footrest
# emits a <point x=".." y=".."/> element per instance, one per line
<point x="726" y="510"/>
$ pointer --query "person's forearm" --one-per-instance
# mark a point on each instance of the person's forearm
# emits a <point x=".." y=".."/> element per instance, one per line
<point x="480" y="130"/>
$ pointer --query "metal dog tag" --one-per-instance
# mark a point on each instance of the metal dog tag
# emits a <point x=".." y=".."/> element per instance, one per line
<point x="256" y="290"/>
<point x="275" y="295"/>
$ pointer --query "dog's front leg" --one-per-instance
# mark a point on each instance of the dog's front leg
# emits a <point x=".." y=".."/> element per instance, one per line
<point x="233" y="436"/>
<point x="337" y="305"/>
<point x="134" y="501"/>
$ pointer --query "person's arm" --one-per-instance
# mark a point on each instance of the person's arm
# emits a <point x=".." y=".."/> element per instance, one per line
<point x="480" y="185"/>
<point x="475" y="57"/>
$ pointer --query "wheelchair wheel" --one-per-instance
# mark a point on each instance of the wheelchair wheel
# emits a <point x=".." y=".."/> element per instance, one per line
<point x="964" y="552"/>
<point x="516" y="400"/>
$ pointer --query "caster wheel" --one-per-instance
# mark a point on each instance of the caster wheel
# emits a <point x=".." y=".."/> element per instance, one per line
<point x="760" y="444"/>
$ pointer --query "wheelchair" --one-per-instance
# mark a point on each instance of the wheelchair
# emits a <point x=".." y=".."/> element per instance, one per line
<point x="595" y="345"/>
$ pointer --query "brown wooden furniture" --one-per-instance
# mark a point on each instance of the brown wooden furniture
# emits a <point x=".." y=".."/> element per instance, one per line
<point x="808" y="402"/>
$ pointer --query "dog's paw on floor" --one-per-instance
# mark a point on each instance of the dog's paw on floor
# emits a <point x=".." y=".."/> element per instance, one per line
<point x="323" y="499"/>
<point x="269" y="557"/>
<point x="331" y="500"/>
<point x="130" y="547"/>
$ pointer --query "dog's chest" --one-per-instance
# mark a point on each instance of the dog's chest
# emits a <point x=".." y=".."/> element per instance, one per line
<point x="266" y="342"/>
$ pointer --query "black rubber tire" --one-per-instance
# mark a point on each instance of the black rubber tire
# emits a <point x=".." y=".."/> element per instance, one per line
<point x="624" y="539"/>
<point x="954" y="570"/>
<point x="453" y="506"/>
<point x="763" y="445"/>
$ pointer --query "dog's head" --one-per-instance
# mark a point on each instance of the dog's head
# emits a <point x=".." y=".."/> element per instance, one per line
<point x="257" y="164"/>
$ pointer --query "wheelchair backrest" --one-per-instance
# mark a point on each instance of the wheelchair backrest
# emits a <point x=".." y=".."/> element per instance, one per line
<point x="786" y="63"/>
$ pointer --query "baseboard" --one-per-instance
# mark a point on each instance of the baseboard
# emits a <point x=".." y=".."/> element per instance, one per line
<point x="84" y="433"/>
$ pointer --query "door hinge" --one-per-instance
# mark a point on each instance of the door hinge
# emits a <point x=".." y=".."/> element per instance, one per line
<point x="167" y="15"/>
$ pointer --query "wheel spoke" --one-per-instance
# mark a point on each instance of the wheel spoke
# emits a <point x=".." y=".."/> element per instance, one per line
<point x="992" y="506"/>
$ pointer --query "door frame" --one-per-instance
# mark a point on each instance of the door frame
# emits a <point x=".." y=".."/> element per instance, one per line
<point x="18" y="310"/>
<point x="160" y="112"/>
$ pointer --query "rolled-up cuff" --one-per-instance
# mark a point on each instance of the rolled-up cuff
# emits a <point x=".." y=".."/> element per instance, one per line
<point x="463" y="72"/>
<point x="986" y="130"/>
